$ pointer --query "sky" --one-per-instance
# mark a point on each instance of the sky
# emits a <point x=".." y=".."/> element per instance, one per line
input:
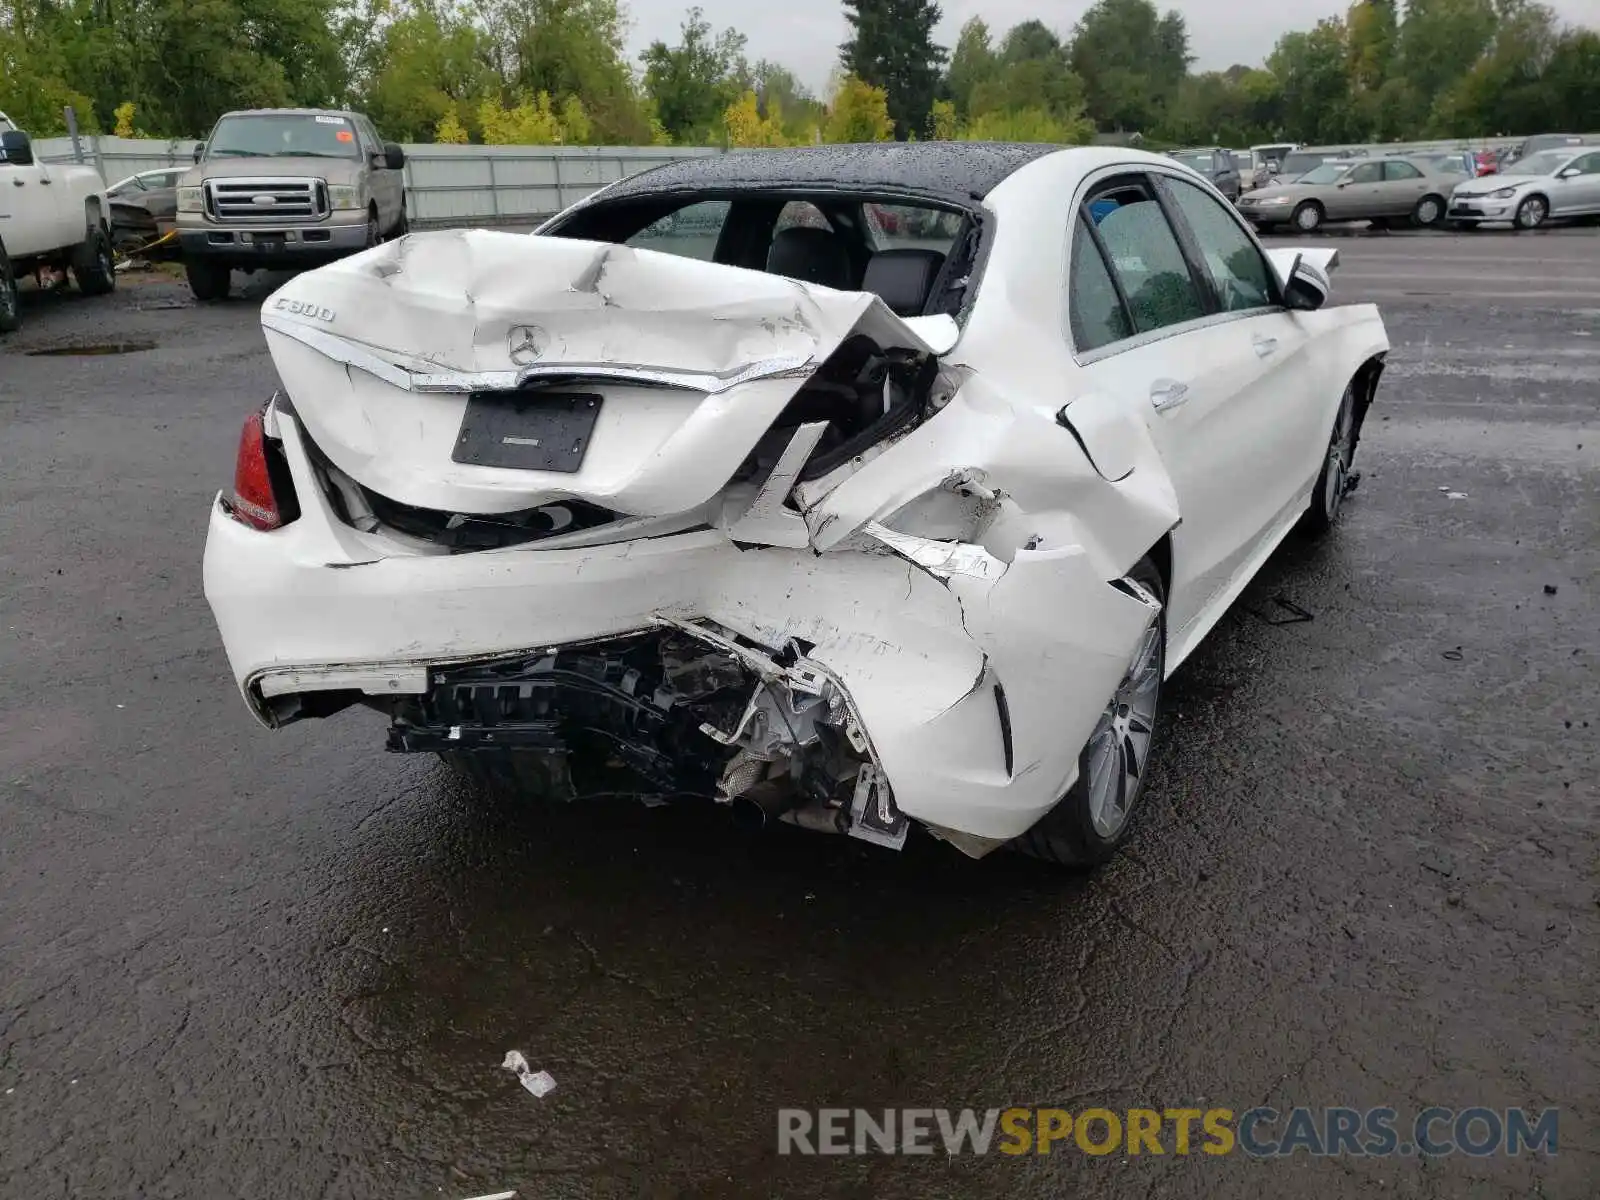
<point x="804" y="35"/>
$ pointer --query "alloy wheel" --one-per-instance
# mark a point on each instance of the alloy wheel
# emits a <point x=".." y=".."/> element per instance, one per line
<point x="1119" y="748"/>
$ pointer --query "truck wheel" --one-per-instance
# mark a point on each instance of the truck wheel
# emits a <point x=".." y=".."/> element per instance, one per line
<point x="92" y="266"/>
<point x="208" y="280"/>
<point x="10" y="302"/>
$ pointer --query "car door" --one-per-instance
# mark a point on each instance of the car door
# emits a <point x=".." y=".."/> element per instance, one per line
<point x="28" y="218"/>
<point x="1199" y="359"/>
<point x="1403" y="185"/>
<point x="388" y="185"/>
<point x="1578" y="194"/>
<point x="1359" y="194"/>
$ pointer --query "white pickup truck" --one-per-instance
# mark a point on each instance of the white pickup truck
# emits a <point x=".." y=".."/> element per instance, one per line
<point x="50" y="216"/>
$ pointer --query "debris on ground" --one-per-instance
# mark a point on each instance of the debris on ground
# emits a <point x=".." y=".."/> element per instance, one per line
<point x="495" y="1196"/>
<point x="1550" y="589"/>
<point x="1453" y="655"/>
<point x="540" y="1083"/>
<point x="1455" y="495"/>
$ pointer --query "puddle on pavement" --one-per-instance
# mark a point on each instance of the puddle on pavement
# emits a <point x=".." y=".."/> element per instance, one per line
<point x="93" y="348"/>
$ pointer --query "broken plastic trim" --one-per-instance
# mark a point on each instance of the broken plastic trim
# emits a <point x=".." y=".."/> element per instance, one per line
<point x="450" y="380"/>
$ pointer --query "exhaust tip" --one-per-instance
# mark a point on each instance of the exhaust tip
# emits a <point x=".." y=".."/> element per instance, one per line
<point x="760" y="806"/>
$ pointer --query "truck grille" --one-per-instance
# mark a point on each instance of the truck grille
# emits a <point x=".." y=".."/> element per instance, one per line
<point x="266" y="199"/>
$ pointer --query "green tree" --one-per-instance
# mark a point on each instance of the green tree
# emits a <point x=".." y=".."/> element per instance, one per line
<point x="1315" y="85"/>
<point x="1131" y="60"/>
<point x="891" y="47"/>
<point x="431" y="62"/>
<point x="973" y="63"/>
<point x="693" y="83"/>
<point x="859" y="113"/>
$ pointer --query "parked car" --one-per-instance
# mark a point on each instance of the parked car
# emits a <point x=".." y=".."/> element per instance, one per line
<point x="52" y="217"/>
<point x="144" y="208"/>
<point x="1215" y="164"/>
<point x="286" y="187"/>
<point x="768" y="547"/>
<point x="1557" y="183"/>
<point x="1269" y="158"/>
<point x="1547" y="141"/>
<point x="1372" y="189"/>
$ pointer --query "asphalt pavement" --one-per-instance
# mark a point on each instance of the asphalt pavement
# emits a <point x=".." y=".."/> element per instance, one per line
<point x="241" y="963"/>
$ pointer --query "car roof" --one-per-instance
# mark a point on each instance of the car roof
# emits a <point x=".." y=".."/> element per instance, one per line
<point x="291" y="112"/>
<point x="953" y="172"/>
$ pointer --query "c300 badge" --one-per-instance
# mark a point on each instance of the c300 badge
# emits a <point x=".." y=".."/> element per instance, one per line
<point x="304" y="308"/>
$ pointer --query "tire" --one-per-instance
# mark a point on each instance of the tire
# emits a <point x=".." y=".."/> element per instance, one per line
<point x="92" y="265"/>
<point x="1428" y="212"/>
<point x="1079" y="831"/>
<point x="1532" y="212"/>
<point x="374" y="235"/>
<point x="403" y="225"/>
<point x="208" y="280"/>
<point x="1327" y="498"/>
<point x="10" y="301"/>
<point x="1307" y="217"/>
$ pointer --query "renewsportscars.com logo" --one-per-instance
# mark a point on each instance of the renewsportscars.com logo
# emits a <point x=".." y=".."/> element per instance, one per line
<point x="1257" y="1132"/>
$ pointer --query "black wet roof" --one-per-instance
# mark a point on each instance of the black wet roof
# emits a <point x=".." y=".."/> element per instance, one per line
<point x="954" y="171"/>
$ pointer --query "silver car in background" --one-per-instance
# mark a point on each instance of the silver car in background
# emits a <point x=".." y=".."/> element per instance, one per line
<point x="1558" y="183"/>
<point x="1376" y="189"/>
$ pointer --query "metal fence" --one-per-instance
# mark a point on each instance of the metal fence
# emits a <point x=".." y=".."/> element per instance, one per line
<point x="445" y="185"/>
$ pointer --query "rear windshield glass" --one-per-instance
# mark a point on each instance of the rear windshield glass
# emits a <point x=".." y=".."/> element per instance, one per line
<point x="1199" y="162"/>
<point x="283" y="136"/>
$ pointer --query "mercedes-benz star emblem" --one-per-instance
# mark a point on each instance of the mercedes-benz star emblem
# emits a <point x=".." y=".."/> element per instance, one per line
<point x="526" y="343"/>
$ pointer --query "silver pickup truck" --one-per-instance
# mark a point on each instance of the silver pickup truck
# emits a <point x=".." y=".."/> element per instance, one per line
<point x="283" y="188"/>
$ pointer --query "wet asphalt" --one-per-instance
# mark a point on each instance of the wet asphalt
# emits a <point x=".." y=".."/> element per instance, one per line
<point x="243" y="963"/>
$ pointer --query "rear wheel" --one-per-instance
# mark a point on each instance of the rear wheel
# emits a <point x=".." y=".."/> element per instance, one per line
<point x="1428" y="212"/>
<point x="10" y="302"/>
<point x="1095" y="816"/>
<point x="1333" y="481"/>
<point x="373" y="235"/>
<point x="92" y="266"/>
<point x="208" y="280"/>
<point x="1308" y="217"/>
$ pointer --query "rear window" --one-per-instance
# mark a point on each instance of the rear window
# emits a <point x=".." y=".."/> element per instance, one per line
<point x="289" y="135"/>
<point x="691" y="232"/>
<point x="899" y="226"/>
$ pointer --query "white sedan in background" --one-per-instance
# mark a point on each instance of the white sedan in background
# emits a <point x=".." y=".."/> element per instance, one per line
<point x="731" y="485"/>
<point x="1546" y="185"/>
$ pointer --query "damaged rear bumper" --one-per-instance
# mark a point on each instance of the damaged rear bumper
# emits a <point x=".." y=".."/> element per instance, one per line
<point x="964" y="688"/>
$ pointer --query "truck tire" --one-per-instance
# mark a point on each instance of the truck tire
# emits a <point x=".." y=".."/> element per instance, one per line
<point x="92" y="265"/>
<point x="208" y="280"/>
<point x="10" y="302"/>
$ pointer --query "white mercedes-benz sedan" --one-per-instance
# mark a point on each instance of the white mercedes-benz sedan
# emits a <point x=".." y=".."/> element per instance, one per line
<point x="852" y="487"/>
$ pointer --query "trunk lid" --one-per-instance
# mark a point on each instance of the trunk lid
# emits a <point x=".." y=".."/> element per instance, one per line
<point x="483" y="372"/>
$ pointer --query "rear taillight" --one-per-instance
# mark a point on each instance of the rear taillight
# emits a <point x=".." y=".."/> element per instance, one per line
<point x="263" y="497"/>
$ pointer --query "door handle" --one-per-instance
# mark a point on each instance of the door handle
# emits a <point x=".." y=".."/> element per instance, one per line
<point x="1265" y="346"/>
<point x="1168" y="393"/>
<point x="16" y="183"/>
<point x="45" y="181"/>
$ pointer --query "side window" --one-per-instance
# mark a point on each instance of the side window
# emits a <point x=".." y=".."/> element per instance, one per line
<point x="690" y="232"/>
<point x="1093" y="306"/>
<point x="1145" y="257"/>
<point x="370" y="134"/>
<point x="1589" y="164"/>
<point x="1367" y="173"/>
<point x="1395" y="171"/>
<point x="1238" y="269"/>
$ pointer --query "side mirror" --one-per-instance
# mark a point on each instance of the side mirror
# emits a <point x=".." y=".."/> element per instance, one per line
<point x="1307" y="289"/>
<point x="16" y="148"/>
<point x="199" y="151"/>
<point x="1569" y="172"/>
<point x="394" y="158"/>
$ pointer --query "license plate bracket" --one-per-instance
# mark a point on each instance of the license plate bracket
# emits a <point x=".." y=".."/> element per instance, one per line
<point x="269" y="243"/>
<point x="527" y="431"/>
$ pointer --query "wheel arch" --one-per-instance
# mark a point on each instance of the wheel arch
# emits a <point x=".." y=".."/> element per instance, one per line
<point x="1365" y="384"/>
<point x="94" y="215"/>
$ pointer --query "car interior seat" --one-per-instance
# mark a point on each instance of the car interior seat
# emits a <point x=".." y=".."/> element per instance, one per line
<point x="811" y="256"/>
<point x="902" y="278"/>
